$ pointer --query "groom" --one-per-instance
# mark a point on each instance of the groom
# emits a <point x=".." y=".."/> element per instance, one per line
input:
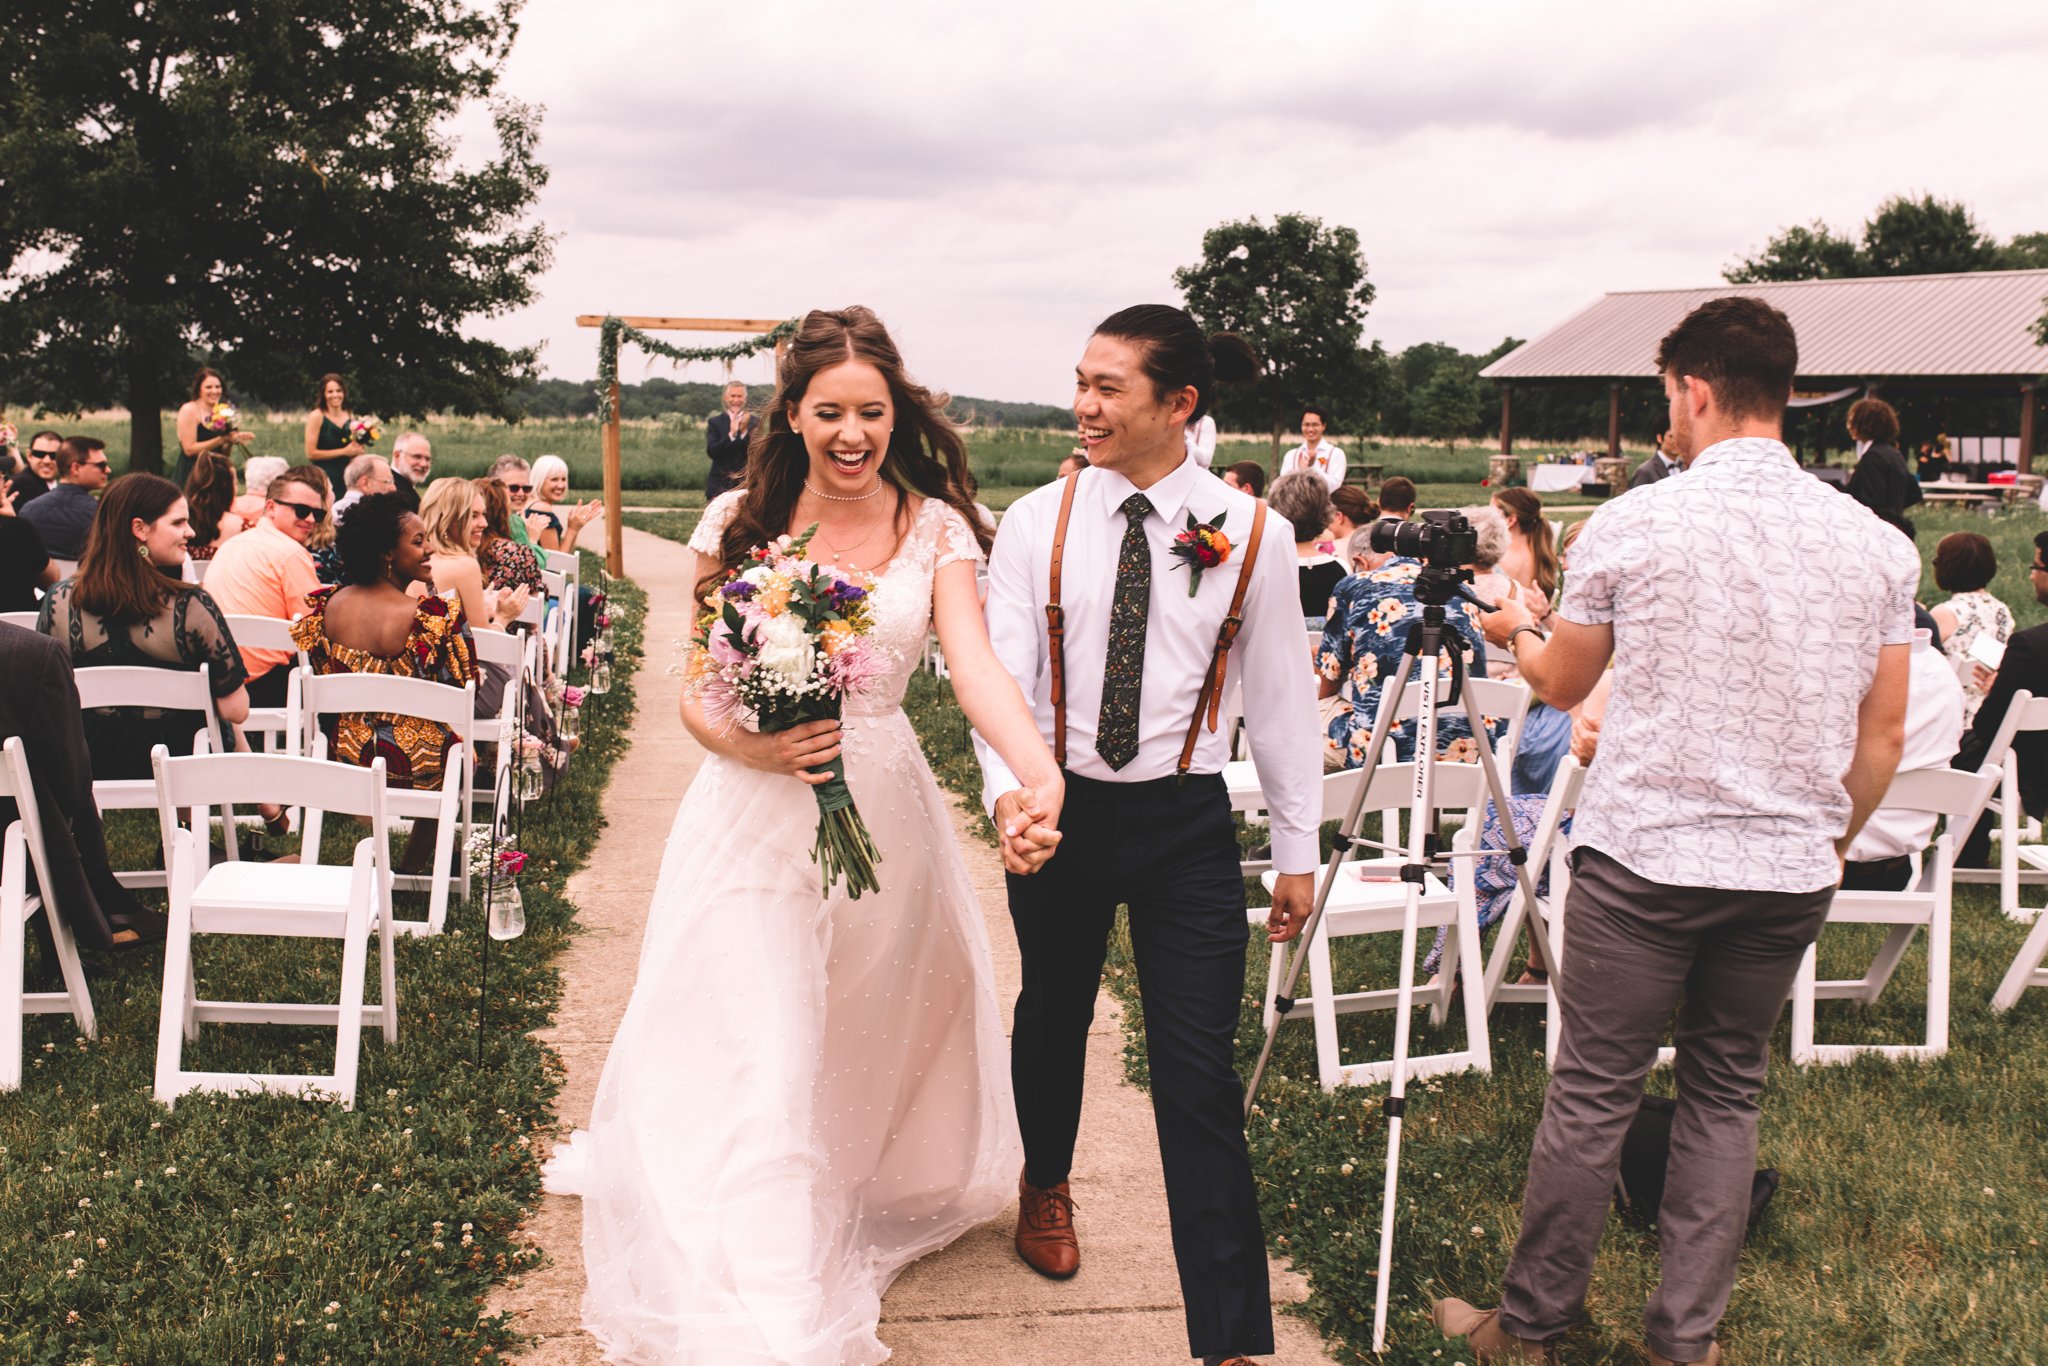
<point x="1114" y="633"/>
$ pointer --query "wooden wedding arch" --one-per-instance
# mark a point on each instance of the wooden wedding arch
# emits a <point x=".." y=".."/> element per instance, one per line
<point x="616" y="330"/>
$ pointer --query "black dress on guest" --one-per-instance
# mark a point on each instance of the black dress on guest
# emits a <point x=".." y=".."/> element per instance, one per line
<point x="1319" y="579"/>
<point x="1883" y="484"/>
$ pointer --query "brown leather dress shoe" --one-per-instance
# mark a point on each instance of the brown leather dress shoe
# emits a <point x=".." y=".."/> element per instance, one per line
<point x="1045" y="1230"/>
<point x="1482" y="1332"/>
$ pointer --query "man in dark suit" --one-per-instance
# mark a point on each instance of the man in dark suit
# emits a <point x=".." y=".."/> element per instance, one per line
<point x="2025" y="666"/>
<point x="40" y="704"/>
<point x="412" y="461"/>
<point x="1881" y="481"/>
<point x="725" y="437"/>
<point x="1658" y="466"/>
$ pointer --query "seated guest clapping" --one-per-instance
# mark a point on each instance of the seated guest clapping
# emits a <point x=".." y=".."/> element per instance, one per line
<point x="129" y="607"/>
<point x="506" y="563"/>
<point x="375" y="624"/>
<point x="1303" y="498"/>
<point x="453" y="510"/>
<point x="267" y="571"/>
<point x="1362" y="643"/>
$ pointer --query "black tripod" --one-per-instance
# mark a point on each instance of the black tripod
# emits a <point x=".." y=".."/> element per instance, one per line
<point x="1434" y="588"/>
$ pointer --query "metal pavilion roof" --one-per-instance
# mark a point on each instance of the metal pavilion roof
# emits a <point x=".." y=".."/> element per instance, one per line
<point x="1979" y="325"/>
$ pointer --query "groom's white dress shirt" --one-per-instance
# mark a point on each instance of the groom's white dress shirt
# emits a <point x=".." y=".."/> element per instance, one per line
<point x="1324" y="459"/>
<point x="1270" y="658"/>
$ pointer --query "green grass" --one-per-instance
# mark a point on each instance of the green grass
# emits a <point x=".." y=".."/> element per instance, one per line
<point x="223" y="1230"/>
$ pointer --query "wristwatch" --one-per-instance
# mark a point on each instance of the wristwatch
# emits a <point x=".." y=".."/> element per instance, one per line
<point x="1516" y="634"/>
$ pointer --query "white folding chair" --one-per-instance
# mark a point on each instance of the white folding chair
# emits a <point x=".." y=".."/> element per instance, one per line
<point x="1544" y="849"/>
<point x="1501" y="698"/>
<point x="1370" y="898"/>
<point x="25" y="620"/>
<point x="2026" y="970"/>
<point x="2026" y="712"/>
<point x="569" y="566"/>
<point x="450" y="804"/>
<point x="126" y="685"/>
<point x="272" y="723"/>
<point x="1935" y="791"/>
<point x="21" y="849"/>
<point x="304" y="900"/>
<point x="195" y="570"/>
<point x="513" y="652"/>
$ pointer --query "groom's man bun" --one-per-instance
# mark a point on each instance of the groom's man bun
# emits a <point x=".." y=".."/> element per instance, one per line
<point x="1176" y="353"/>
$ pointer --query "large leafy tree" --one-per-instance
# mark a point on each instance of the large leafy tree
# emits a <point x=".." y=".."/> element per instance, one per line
<point x="1297" y="291"/>
<point x="270" y="185"/>
<point x="1906" y="236"/>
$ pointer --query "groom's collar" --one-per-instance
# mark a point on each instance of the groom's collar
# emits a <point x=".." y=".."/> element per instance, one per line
<point x="1168" y="497"/>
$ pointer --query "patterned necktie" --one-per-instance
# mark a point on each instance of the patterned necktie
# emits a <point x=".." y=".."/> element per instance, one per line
<point x="1123" y="672"/>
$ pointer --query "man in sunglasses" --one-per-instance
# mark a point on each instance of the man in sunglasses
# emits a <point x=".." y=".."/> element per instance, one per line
<point x="63" y="516"/>
<point x="267" y="571"/>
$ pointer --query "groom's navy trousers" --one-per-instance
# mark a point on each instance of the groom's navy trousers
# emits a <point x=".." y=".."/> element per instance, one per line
<point x="1166" y="849"/>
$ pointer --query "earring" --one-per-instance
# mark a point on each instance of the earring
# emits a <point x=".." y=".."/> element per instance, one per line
<point x="142" y="549"/>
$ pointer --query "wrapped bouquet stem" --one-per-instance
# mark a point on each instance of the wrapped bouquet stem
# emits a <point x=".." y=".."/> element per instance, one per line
<point x="784" y="640"/>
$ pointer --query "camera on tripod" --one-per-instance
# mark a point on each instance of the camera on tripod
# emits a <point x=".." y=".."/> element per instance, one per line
<point x="1441" y="540"/>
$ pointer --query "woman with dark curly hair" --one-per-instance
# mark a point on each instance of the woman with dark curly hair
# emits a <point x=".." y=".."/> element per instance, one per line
<point x="373" y="624"/>
<point x="210" y="497"/>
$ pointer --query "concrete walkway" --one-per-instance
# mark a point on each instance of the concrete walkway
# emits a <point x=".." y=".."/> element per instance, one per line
<point x="973" y="1304"/>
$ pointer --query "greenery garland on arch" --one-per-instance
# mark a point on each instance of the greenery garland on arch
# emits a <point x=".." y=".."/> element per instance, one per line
<point x="614" y="330"/>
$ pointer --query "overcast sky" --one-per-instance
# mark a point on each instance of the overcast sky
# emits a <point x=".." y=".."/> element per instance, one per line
<point x="995" y="178"/>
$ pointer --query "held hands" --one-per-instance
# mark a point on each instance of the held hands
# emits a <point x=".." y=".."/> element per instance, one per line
<point x="1500" y="623"/>
<point x="1027" y="822"/>
<point x="794" y="751"/>
<point x="1294" y="896"/>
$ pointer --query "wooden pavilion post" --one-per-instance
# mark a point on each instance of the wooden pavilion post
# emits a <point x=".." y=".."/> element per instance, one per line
<point x="2026" y="460"/>
<point x="1507" y="418"/>
<point x="1614" y="421"/>
<point x="614" y="499"/>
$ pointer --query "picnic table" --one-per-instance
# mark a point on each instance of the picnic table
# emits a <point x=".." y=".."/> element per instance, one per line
<point x="1969" y="495"/>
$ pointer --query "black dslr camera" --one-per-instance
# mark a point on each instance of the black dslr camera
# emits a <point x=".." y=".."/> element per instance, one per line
<point x="1441" y="540"/>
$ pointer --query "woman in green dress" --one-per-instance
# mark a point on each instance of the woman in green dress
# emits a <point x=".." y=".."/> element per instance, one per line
<point x="328" y="443"/>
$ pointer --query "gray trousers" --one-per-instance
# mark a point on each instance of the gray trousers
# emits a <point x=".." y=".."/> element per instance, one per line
<point x="1634" y="951"/>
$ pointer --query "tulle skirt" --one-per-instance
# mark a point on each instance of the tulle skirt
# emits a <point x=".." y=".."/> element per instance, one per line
<point x="805" y="1095"/>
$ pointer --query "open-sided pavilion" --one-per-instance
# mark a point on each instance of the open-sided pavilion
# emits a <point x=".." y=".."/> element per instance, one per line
<point x="1973" y="331"/>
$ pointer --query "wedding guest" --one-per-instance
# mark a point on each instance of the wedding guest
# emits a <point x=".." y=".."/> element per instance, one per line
<point x="1397" y="499"/>
<point x="199" y="431"/>
<point x="1200" y="439"/>
<point x="1880" y="859"/>
<point x="40" y="706"/>
<point x="1076" y="459"/>
<point x="257" y="472"/>
<point x="210" y="500"/>
<point x="1314" y="453"/>
<point x="2024" y="668"/>
<point x="1881" y="481"/>
<point x="374" y="623"/>
<point x="1930" y="464"/>
<point x="505" y="562"/>
<point x="63" y="516"/>
<point x="512" y="474"/>
<point x="267" y="571"/>
<point x="1304" y="501"/>
<point x="367" y="474"/>
<point x="1351" y="508"/>
<point x="453" y="511"/>
<point x="1490" y="532"/>
<point x="328" y="443"/>
<point x="1660" y="465"/>
<point x="1531" y="558"/>
<point x="550" y="499"/>
<point x="24" y="565"/>
<point x="320" y="544"/>
<point x="1248" y="475"/>
<point x="1964" y="564"/>
<point x="725" y="440"/>
<point x="38" y="471"/>
<point x="412" y="462"/>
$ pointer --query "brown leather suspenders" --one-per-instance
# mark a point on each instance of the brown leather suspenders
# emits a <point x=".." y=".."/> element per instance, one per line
<point x="1209" y="704"/>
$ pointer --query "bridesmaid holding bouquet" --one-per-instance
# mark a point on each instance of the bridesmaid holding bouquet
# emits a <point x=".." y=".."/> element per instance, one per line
<point x="329" y="443"/>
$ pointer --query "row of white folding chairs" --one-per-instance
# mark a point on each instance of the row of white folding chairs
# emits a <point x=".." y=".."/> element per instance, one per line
<point x="22" y="851"/>
<point x="2025" y="713"/>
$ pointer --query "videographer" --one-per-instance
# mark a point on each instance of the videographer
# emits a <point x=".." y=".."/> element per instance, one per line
<point x="1749" y="736"/>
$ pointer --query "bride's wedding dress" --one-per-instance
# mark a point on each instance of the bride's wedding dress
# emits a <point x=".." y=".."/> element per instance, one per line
<point x="804" y="1095"/>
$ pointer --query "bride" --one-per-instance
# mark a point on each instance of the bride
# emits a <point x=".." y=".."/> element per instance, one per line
<point x="805" y="1094"/>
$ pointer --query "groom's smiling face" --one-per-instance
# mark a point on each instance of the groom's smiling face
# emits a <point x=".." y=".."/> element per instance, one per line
<point x="1126" y="424"/>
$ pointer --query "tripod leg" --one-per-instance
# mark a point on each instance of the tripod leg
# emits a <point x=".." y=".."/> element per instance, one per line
<point x="1525" y="880"/>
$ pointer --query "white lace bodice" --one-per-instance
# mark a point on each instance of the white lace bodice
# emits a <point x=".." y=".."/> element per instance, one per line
<point x="938" y="536"/>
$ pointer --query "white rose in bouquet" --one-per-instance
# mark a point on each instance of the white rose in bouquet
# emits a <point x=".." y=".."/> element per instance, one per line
<point x="786" y="649"/>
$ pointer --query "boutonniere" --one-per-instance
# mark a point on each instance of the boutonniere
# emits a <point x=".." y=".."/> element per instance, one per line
<point x="1202" y="546"/>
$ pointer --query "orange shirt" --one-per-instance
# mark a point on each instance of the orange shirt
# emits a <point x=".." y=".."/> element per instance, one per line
<point x="262" y="573"/>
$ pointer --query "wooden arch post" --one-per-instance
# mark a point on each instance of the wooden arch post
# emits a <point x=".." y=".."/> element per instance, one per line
<point x="614" y="498"/>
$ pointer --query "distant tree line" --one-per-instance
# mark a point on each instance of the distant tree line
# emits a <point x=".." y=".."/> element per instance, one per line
<point x="697" y="400"/>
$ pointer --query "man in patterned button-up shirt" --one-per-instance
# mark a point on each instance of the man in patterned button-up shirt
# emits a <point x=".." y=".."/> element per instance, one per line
<point x="1759" y="625"/>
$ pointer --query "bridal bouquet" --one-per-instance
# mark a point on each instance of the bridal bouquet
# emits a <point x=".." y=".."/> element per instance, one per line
<point x="364" y="431"/>
<point x="783" y="640"/>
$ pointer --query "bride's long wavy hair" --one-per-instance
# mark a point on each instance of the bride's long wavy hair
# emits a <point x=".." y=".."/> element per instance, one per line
<point x="926" y="455"/>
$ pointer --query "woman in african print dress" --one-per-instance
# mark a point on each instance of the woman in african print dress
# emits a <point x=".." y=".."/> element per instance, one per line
<point x="374" y="624"/>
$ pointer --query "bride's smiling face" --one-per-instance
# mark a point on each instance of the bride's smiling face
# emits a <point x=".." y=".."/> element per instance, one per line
<point x="845" y="418"/>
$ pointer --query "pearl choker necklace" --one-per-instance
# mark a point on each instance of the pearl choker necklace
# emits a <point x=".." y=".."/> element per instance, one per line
<point x="843" y="497"/>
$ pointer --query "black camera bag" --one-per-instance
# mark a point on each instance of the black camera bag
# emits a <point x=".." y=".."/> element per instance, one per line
<point x="1644" y="1154"/>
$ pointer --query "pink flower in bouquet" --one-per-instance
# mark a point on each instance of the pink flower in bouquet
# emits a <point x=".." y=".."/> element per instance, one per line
<point x="721" y="647"/>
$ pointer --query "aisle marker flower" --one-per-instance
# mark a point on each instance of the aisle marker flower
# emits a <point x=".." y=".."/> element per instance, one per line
<point x="783" y="641"/>
<point x="1202" y="546"/>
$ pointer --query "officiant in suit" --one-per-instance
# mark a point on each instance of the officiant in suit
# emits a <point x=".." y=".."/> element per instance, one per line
<point x="725" y="438"/>
<point x="1881" y="481"/>
<point x="40" y="704"/>
<point x="1120" y="694"/>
